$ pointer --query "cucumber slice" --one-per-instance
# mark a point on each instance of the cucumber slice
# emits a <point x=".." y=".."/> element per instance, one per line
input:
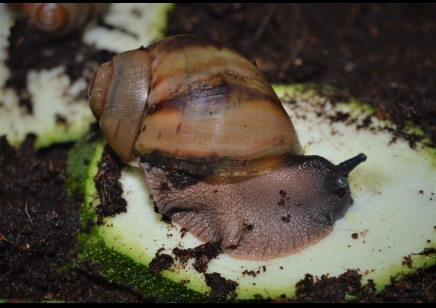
<point x="392" y="219"/>
<point x="60" y="111"/>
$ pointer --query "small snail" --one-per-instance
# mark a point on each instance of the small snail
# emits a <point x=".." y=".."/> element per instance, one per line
<point x="58" y="19"/>
<point x="219" y="152"/>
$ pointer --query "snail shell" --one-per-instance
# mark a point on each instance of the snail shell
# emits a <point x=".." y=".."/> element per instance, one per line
<point x="219" y="152"/>
<point x="58" y="19"/>
<point x="193" y="105"/>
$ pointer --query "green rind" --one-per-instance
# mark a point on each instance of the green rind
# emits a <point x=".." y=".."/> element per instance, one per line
<point x="59" y="134"/>
<point x="81" y="165"/>
<point x="116" y="267"/>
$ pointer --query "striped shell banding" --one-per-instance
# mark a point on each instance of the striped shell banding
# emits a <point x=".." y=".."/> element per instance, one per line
<point x="194" y="104"/>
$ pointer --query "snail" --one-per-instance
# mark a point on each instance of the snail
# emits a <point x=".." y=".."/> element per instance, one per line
<point x="219" y="152"/>
<point x="58" y="19"/>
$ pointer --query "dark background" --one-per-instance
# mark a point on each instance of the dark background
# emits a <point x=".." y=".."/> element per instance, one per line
<point x="382" y="54"/>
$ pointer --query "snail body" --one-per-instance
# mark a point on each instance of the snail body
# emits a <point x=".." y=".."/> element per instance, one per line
<point x="58" y="19"/>
<point x="219" y="152"/>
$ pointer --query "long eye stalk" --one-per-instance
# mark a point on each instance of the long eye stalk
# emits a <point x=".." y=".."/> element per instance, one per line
<point x="348" y="165"/>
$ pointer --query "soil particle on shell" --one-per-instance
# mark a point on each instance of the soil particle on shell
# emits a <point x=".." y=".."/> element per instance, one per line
<point x="108" y="185"/>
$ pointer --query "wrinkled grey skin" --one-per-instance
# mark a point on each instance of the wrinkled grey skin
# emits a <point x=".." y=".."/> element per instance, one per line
<point x="259" y="217"/>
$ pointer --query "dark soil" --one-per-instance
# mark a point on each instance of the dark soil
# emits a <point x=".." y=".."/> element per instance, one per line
<point x="220" y="287"/>
<point x="382" y="54"/>
<point x="108" y="187"/>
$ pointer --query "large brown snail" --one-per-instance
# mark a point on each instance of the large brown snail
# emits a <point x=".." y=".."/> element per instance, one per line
<point x="219" y="152"/>
<point x="58" y="19"/>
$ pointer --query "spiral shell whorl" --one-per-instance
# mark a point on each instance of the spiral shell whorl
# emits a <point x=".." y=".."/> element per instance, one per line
<point x="118" y="94"/>
<point x="51" y="17"/>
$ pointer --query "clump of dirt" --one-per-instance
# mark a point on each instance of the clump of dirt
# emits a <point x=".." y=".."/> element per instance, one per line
<point x="220" y="287"/>
<point x="202" y="254"/>
<point x="327" y="289"/>
<point x="160" y="262"/>
<point x="418" y="287"/>
<point x="108" y="186"/>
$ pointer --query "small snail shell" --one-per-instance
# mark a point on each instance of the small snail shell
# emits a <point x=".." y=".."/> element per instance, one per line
<point x="219" y="152"/>
<point x="58" y="19"/>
